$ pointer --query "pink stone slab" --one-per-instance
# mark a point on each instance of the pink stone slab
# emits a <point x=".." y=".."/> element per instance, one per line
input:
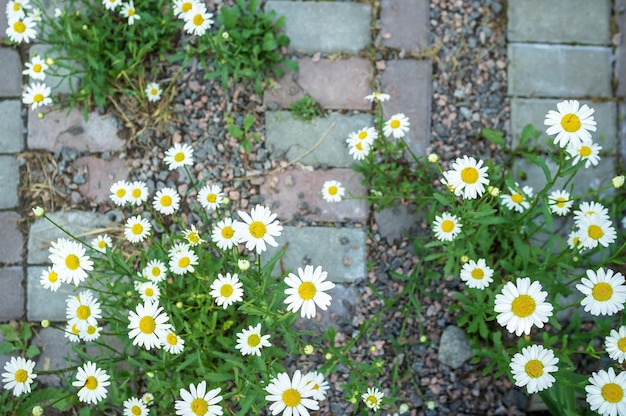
<point x="100" y="175"/>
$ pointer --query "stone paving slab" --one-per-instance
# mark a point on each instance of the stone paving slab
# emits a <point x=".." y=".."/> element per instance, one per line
<point x="10" y="72"/>
<point x="43" y="303"/>
<point x="279" y="191"/>
<point x="12" y="132"/>
<point x="540" y="70"/>
<point x="10" y="174"/>
<point x="340" y="251"/>
<point x="11" y="287"/>
<point x="82" y="224"/>
<point x="62" y="82"/>
<point x="284" y="133"/>
<point x="559" y="21"/>
<point x="337" y="84"/>
<point x="405" y="24"/>
<point x="4" y="24"/>
<point x="622" y="134"/>
<point x="282" y="93"/>
<point x="409" y="83"/>
<point x="339" y="314"/>
<point x="398" y="221"/>
<point x="55" y="351"/>
<point x="620" y="52"/>
<point x="11" y="239"/>
<point x="533" y="111"/>
<point x="325" y="26"/>
<point x="100" y="175"/>
<point x="58" y="130"/>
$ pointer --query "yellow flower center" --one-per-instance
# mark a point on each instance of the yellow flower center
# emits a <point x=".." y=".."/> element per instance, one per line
<point x="72" y="262"/>
<point x="478" y="273"/>
<point x="153" y="91"/>
<point x="595" y="232"/>
<point x="570" y="123"/>
<point x="602" y="291"/>
<point x="254" y="340"/>
<point x="372" y="400"/>
<point x="621" y="344"/>
<point x="362" y="135"/>
<point x="166" y="200"/>
<point x="136" y="193"/>
<point x="172" y="339"/>
<point x="394" y="124"/>
<point x="21" y="376"/>
<point x="131" y="12"/>
<point x="469" y="175"/>
<point x="193" y="238"/>
<point x="184" y="262"/>
<point x="257" y="229"/>
<point x="19" y="26"/>
<point x="91" y="329"/>
<point x="584" y="151"/>
<point x="102" y="244"/>
<point x="137" y="229"/>
<point x="179" y="157"/>
<point x="307" y="290"/>
<point x="53" y="277"/>
<point x="517" y="198"/>
<point x="612" y="393"/>
<point x="228" y="232"/>
<point x="534" y="368"/>
<point x="16" y="6"/>
<point x="38" y="98"/>
<point x="447" y="226"/>
<point x="136" y="410"/>
<point x="226" y="290"/>
<point x="359" y="146"/>
<point x="91" y="383"/>
<point x="211" y="198"/>
<point x="186" y="6"/>
<point x="560" y="202"/>
<point x="75" y="330"/>
<point x="120" y="193"/>
<point x="149" y="291"/>
<point x="291" y="397"/>
<point x="198" y="20"/>
<point x="156" y="271"/>
<point x="147" y="325"/>
<point x="332" y="190"/>
<point x="199" y="406"/>
<point x="83" y="312"/>
<point x="523" y="306"/>
<point x="37" y="68"/>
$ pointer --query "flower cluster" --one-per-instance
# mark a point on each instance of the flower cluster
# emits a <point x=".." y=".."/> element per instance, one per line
<point x="193" y="12"/>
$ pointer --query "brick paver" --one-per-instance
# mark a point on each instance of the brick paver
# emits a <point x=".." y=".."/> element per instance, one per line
<point x="10" y="72"/>
<point x="405" y="24"/>
<point x="12" y="290"/>
<point x="55" y="348"/>
<point x="10" y="174"/>
<point x="11" y="239"/>
<point x="100" y="175"/>
<point x="58" y="78"/>
<point x="43" y="303"/>
<point x="12" y="132"/>
<point x="620" y="62"/>
<point x="281" y="93"/>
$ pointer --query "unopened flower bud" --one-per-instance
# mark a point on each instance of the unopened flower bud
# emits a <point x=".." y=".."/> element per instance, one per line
<point x="403" y="408"/>
<point x="433" y="158"/>
<point x="37" y="411"/>
<point x="423" y="338"/>
<point x="493" y="191"/>
<point x="464" y="259"/>
<point x="328" y="356"/>
<point x="226" y="201"/>
<point x="85" y="27"/>
<point x="618" y="181"/>
<point x="50" y="61"/>
<point x="372" y="348"/>
<point x="243" y="264"/>
<point x="308" y="349"/>
<point x="150" y="374"/>
<point x="45" y="323"/>
<point x="179" y="305"/>
<point x="39" y="212"/>
<point x="431" y="405"/>
<point x="225" y="35"/>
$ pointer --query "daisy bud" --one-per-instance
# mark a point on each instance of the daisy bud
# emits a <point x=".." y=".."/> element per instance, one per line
<point x="372" y="348"/>
<point x="575" y="259"/>
<point x="85" y="27"/>
<point x="41" y="115"/>
<point x="423" y="338"/>
<point x="431" y="405"/>
<point x="226" y="201"/>
<point x="45" y="323"/>
<point x="353" y="400"/>
<point x="228" y="324"/>
<point x="225" y="35"/>
<point x="50" y="61"/>
<point x="308" y="349"/>
<point x="243" y="264"/>
<point x="179" y="305"/>
<point x="37" y="411"/>
<point x="403" y="408"/>
<point x="39" y="212"/>
<point x="618" y="181"/>
<point x="433" y="158"/>
<point x="328" y="356"/>
<point x="493" y="191"/>
<point x="464" y="259"/>
<point x="150" y="374"/>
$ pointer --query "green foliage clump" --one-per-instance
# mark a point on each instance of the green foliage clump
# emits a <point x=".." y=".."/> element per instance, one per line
<point x="306" y="109"/>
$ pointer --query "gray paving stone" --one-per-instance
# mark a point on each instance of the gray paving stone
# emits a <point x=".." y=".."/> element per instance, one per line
<point x="283" y="133"/>
<point x="57" y="353"/>
<point x="10" y="72"/>
<point x="340" y="251"/>
<point x="57" y="78"/>
<point x="4" y="24"/>
<point x="339" y="84"/>
<point x="11" y="239"/>
<point x="339" y="314"/>
<point x="325" y="26"/>
<point x="79" y="223"/>
<point x="100" y="175"/>
<point x="58" y="130"/>
<point x="533" y="111"/>
<point x="10" y="174"/>
<point x="540" y="70"/>
<point x="11" y="287"/>
<point x="409" y="83"/>
<point x="12" y="133"/>
<point x="296" y="193"/>
<point x="43" y="303"/>
<point x="559" y="21"/>
<point x="3" y="358"/>
<point x="620" y="52"/>
<point x="405" y="24"/>
<point x="621" y="133"/>
<point x="398" y="221"/>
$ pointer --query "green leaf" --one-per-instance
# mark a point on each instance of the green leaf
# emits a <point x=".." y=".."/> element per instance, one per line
<point x="234" y="131"/>
<point x="539" y="162"/>
<point x="32" y="351"/>
<point x="248" y="122"/>
<point x="494" y="136"/>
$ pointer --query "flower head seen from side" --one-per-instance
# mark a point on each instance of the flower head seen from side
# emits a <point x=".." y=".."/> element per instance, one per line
<point x="377" y="96"/>
<point x="518" y="200"/>
<point x="574" y="241"/>
<point x="226" y="290"/>
<point x="333" y="191"/>
<point x="128" y="11"/>
<point x="522" y="305"/>
<point x="178" y="155"/>
<point x="290" y="396"/>
<point x="155" y="271"/>
<point x="585" y="151"/>
<point x="307" y="290"/>
<point x="153" y="92"/>
<point x="468" y="177"/>
<point x="183" y="7"/>
<point x="250" y="341"/>
<point x="358" y="149"/>
<point x="589" y="209"/>
<point x="18" y="375"/>
<point x="197" y="21"/>
<point x="92" y="382"/>
<point x="101" y="243"/>
<point x="476" y="274"/>
<point x="365" y="135"/>
<point x="83" y="310"/>
<point x="397" y="125"/>
<point x="604" y="292"/>
<point x="135" y="407"/>
<point x="183" y="261"/>
<point x="258" y="228"/>
<point x="111" y="4"/>
<point x="50" y="279"/>
<point x="192" y="235"/>
<point x="166" y="201"/>
<point x="148" y="325"/>
<point x="446" y="227"/>
<point x="36" y="68"/>
<point x="318" y="383"/>
<point x="211" y="197"/>
<point x="224" y="234"/>
<point x="172" y="342"/>
<point x="596" y="230"/>
<point x="532" y="367"/>
<point x="372" y="398"/>
<point x="571" y="123"/>
<point x="605" y="392"/>
<point x="148" y="398"/>
<point x="120" y="191"/>
<point x="70" y="260"/>
<point x="16" y="9"/>
<point x="37" y="94"/>
<point x="137" y="229"/>
<point x="198" y="401"/>
<point x="72" y="332"/>
<point x="560" y="202"/>
<point x="615" y="344"/>
<point x="21" y="29"/>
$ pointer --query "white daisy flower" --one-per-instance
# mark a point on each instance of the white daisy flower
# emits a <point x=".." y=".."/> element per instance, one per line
<point x="178" y="155"/>
<point x="50" y="279"/>
<point x="333" y="191"/>
<point x="290" y="396"/>
<point x="446" y="227"/>
<point x="477" y="274"/>
<point x="211" y="197"/>
<point x="16" y="9"/>
<point x="21" y="30"/>
<point x="574" y="241"/>
<point x="148" y="325"/>
<point x="155" y="271"/>
<point x="36" y="95"/>
<point x="318" y="383"/>
<point x="101" y="243"/>
<point x="595" y="230"/>
<point x="604" y="292"/>
<point x="36" y="68"/>
<point x="532" y="368"/>
<point x="111" y="4"/>
<point x="183" y="261"/>
<point x="365" y="135"/>
<point x="72" y="332"/>
<point x="183" y="7"/>
<point x="522" y="305"/>
<point x="148" y="399"/>
<point x="70" y="261"/>
<point x="560" y="202"/>
<point x="358" y="149"/>
<point x="193" y="236"/>
<point x="137" y="193"/>
<point x="586" y="151"/>
<point x="224" y="234"/>
<point x="120" y="191"/>
<point x="307" y="290"/>
<point x="226" y="290"/>
<point x="615" y="344"/>
<point x="149" y="291"/>
<point x="178" y="247"/>
<point x="92" y="382"/>
<point x="588" y="209"/>
<point x="250" y="341"/>
<point x="166" y="201"/>
<point x="468" y="177"/>
<point x="128" y="11"/>
<point x="372" y="398"/>
<point x="518" y="201"/>
<point x="137" y="229"/>
<point x="91" y="333"/>
<point x="153" y="92"/>
<point x="199" y="401"/>
<point x="172" y="343"/>
<point x="397" y="125"/>
<point x="605" y="393"/>
<point x="135" y="406"/>
<point x="571" y="123"/>
<point x="18" y="375"/>
<point x="258" y="229"/>
<point x="197" y="21"/>
<point x="83" y="310"/>
<point x="378" y="96"/>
